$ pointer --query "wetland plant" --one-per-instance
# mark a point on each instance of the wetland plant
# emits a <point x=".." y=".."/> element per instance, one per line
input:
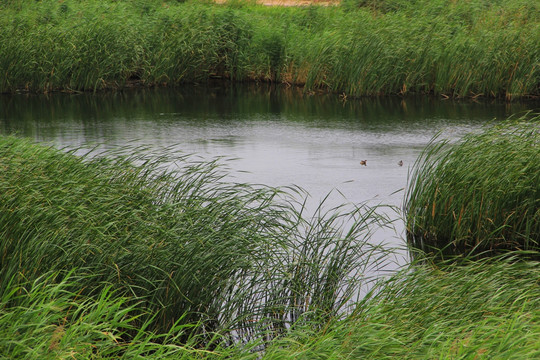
<point x="483" y="308"/>
<point x="362" y="48"/>
<point x="479" y="196"/>
<point x="184" y="246"/>
<point x="117" y="256"/>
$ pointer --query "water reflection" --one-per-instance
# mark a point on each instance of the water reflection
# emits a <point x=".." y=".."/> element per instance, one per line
<point x="229" y="104"/>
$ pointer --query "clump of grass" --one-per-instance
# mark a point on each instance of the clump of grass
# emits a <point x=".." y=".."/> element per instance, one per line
<point x="50" y="318"/>
<point x="485" y="309"/>
<point x="184" y="245"/>
<point x="481" y="195"/>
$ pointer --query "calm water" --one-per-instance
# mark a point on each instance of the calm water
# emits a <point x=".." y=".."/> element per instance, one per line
<point x="278" y="137"/>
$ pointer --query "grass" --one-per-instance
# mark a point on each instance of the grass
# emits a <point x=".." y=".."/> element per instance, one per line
<point x="361" y="48"/>
<point x="118" y="256"/>
<point x="481" y="195"/>
<point x="46" y="319"/>
<point x="487" y="309"/>
<point x="184" y="246"/>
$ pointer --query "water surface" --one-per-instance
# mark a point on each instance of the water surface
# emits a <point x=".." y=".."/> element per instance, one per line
<point x="278" y="137"/>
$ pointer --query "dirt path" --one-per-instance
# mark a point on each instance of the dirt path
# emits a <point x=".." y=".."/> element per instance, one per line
<point x="293" y="2"/>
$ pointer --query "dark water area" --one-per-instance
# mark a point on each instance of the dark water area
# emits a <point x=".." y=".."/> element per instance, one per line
<point x="276" y="136"/>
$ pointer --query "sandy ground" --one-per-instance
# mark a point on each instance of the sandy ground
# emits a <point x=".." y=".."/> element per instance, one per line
<point x="293" y="2"/>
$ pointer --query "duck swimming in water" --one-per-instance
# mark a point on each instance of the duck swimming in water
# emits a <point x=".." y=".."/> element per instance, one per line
<point x="363" y="162"/>
<point x="400" y="163"/>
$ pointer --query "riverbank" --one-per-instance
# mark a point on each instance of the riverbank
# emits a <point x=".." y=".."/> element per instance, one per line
<point x="443" y="48"/>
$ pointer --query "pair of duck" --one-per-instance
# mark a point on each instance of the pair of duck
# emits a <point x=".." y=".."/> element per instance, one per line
<point x="364" y="162"/>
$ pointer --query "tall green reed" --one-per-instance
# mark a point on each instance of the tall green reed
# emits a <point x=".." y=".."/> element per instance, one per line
<point x="186" y="245"/>
<point x="50" y="318"/>
<point x="485" y="308"/>
<point x="453" y="48"/>
<point x="481" y="195"/>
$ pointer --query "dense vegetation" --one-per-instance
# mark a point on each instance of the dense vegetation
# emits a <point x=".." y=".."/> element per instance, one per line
<point x="478" y="310"/>
<point x="479" y="196"/>
<point x="483" y="310"/>
<point x="185" y="248"/>
<point x="118" y="256"/>
<point x="453" y="48"/>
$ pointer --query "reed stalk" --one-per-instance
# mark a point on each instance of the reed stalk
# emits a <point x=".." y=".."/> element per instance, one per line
<point x="480" y="196"/>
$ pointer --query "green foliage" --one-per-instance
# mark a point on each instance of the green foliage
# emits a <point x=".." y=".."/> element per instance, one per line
<point x="116" y="256"/>
<point x="486" y="309"/>
<point x="455" y="48"/>
<point x="274" y="50"/>
<point x="47" y="319"/>
<point x="184" y="246"/>
<point x="481" y="195"/>
<point x="478" y="309"/>
<point x="383" y="6"/>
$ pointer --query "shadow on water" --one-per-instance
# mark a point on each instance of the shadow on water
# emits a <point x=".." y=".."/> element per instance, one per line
<point x="21" y="112"/>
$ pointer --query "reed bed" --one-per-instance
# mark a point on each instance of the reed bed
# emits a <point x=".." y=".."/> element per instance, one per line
<point x="482" y="309"/>
<point x="46" y="319"/>
<point x="478" y="309"/>
<point x="480" y="196"/>
<point x="361" y="48"/>
<point x="184" y="246"/>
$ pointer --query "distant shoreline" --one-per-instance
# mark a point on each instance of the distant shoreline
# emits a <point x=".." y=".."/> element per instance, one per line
<point x="445" y="49"/>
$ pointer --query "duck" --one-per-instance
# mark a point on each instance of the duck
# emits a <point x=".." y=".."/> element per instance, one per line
<point x="363" y="162"/>
<point x="400" y="163"/>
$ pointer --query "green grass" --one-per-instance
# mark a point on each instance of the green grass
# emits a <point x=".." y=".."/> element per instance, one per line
<point x="183" y="245"/>
<point x="49" y="318"/>
<point x="488" y="309"/>
<point x="118" y="256"/>
<point x="481" y="195"/>
<point x="362" y="48"/>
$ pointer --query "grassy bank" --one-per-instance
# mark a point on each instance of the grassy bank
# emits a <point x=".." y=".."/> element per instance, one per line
<point x="481" y="195"/>
<point x="478" y="310"/>
<point x="453" y="48"/>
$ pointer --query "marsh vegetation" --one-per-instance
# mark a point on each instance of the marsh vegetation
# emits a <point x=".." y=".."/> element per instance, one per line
<point x="450" y="48"/>
<point x="188" y="249"/>
<point x="132" y="253"/>
<point x="481" y="196"/>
